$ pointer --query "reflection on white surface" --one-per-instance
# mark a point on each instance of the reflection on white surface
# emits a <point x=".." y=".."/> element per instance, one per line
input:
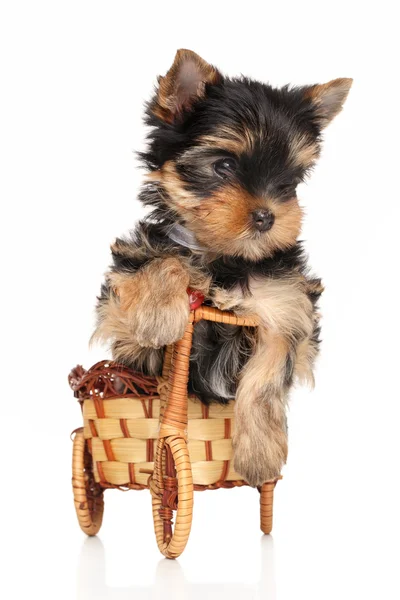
<point x="170" y="580"/>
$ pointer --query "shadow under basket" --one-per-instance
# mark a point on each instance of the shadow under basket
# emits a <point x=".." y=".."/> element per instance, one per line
<point x="142" y="432"/>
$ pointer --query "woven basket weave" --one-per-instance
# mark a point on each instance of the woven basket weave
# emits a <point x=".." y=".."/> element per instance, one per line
<point x="122" y="430"/>
<point x="142" y="432"/>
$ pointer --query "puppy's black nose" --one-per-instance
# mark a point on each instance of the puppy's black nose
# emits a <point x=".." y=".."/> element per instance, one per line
<point x="263" y="219"/>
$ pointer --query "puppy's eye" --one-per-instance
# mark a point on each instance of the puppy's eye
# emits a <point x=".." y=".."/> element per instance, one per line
<point x="286" y="189"/>
<point x="225" y="167"/>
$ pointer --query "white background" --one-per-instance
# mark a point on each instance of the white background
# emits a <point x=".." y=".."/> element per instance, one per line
<point x="74" y="76"/>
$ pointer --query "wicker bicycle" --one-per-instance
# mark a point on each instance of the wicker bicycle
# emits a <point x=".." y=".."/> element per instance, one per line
<point x="141" y="432"/>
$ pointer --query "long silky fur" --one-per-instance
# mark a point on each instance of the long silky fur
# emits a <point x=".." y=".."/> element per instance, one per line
<point x="197" y="117"/>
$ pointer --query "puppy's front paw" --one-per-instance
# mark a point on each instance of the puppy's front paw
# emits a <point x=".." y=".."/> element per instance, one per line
<point x="154" y="302"/>
<point x="259" y="455"/>
<point x="156" y="326"/>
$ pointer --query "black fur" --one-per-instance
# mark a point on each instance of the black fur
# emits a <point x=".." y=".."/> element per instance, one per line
<point x="267" y="168"/>
<point x="210" y="340"/>
<point x="239" y="105"/>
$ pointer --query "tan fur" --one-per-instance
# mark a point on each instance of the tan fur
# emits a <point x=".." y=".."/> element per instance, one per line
<point x="156" y="302"/>
<point x="307" y="349"/>
<point x="287" y="226"/>
<point x="197" y="278"/>
<point x="150" y="308"/>
<point x="227" y="299"/>
<point x="260" y="440"/>
<point x="237" y="141"/>
<point x="230" y="143"/>
<point x="124" y="248"/>
<point x="287" y="322"/>
<point x="225" y="216"/>
<point x="153" y="176"/>
<point x="112" y="321"/>
<point x="306" y="353"/>
<point x="303" y="151"/>
<point x="184" y="82"/>
<point x="223" y="222"/>
<point x="314" y="286"/>
<point x="142" y="312"/>
<point x="328" y="98"/>
<point x="282" y="304"/>
<point x="179" y="197"/>
<point x="137" y="315"/>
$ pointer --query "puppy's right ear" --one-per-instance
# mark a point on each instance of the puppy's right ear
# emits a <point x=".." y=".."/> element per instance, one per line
<point x="183" y="85"/>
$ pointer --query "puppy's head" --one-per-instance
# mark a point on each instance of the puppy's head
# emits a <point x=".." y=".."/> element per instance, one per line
<point x="226" y="155"/>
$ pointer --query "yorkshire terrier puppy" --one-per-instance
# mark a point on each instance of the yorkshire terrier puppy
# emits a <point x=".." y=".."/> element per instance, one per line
<point x="224" y="158"/>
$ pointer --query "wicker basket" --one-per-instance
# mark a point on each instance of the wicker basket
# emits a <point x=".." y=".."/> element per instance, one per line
<point x="140" y="432"/>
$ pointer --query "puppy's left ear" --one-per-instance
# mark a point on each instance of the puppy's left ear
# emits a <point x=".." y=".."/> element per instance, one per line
<point x="183" y="85"/>
<point x="328" y="99"/>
